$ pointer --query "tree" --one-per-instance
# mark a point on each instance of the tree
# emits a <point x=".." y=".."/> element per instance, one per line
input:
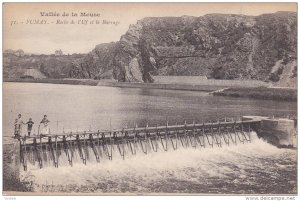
<point x="58" y="53"/>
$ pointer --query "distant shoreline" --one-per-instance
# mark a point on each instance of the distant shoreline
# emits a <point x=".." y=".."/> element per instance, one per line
<point x="266" y="93"/>
<point x="56" y="81"/>
<point x="256" y="92"/>
<point x="107" y="83"/>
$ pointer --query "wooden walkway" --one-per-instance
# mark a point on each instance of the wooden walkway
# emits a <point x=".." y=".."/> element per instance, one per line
<point x="100" y="144"/>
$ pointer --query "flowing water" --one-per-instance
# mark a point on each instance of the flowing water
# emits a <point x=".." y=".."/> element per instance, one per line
<point x="255" y="167"/>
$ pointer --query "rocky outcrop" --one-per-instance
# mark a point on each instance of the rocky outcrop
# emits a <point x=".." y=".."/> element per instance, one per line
<point x="97" y="64"/>
<point x="134" y="56"/>
<point x="219" y="46"/>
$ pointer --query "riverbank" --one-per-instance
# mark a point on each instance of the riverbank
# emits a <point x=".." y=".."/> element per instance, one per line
<point x="267" y="93"/>
<point x="233" y="88"/>
<point x="180" y="83"/>
<point x="57" y="81"/>
<point x="111" y="83"/>
<point x="187" y="87"/>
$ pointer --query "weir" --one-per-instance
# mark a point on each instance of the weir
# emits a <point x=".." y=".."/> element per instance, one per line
<point x="62" y="148"/>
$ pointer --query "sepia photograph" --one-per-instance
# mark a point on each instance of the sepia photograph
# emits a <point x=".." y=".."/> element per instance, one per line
<point x="149" y="99"/>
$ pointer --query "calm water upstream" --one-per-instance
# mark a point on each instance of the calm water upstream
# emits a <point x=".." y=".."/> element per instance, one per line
<point x="256" y="167"/>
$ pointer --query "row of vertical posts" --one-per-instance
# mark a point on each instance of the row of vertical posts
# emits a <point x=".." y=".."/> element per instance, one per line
<point x="126" y="141"/>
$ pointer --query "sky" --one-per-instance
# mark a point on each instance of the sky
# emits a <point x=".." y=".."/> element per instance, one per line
<point x="25" y="27"/>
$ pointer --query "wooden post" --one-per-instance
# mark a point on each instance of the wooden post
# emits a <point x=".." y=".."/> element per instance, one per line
<point x="67" y="149"/>
<point x="56" y="158"/>
<point x="203" y="135"/>
<point x="219" y="134"/>
<point x="84" y="149"/>
<point x="52" y="151"/>
<point x="194" y="135"/>
<point x="176" y="136"/>
<point x="37" y="153"/>
<point x="94" y="148"/>
<point x="249" y="131"/>
<point x="24" y="154"/>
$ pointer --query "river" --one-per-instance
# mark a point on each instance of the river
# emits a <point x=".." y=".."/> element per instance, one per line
<point x="256" y="167"/>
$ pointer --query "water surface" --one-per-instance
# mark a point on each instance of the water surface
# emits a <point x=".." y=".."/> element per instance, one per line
<point x="250" y="168"/>
<point x="79" y="108"/>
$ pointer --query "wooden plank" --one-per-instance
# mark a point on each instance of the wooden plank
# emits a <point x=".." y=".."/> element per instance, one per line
<point x="150" y="131"/>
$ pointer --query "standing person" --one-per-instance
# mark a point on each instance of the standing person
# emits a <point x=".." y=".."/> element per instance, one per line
<point x="18" y="125"/>
<point x="16" y="128"/>
<point x="45" y="129"/>
<point x="29" y="126"/>
<point x="45" y="120"/>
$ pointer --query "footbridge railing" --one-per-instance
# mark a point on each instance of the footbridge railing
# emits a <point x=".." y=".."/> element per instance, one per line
<point x="108" y="144"/>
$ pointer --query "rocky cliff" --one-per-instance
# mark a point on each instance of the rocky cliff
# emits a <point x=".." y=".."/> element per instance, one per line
<point x="97" y="64"/>
<point x="220" y="46"/>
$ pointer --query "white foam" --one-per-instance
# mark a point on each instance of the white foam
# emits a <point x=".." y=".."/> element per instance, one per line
<point x="187" y="164"/>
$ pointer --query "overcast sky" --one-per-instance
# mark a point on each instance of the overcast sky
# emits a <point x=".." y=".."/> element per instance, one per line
<point x="74" y="38"/>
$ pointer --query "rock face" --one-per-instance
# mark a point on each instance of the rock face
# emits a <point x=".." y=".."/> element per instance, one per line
<point x="216" y="45"/>
<point x="97" y="64"/>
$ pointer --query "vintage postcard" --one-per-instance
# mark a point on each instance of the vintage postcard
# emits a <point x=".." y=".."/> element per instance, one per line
<point x="150" y="99"/>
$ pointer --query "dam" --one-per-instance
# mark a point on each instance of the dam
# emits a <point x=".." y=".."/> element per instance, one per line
<point x="47" y="149"/>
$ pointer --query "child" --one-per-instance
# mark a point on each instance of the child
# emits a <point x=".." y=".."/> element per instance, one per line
<point x="17" y="129"/>
<point x="29" y="127"/>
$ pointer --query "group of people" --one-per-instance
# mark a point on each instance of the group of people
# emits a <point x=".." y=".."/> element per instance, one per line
<point x="43" y="128"/>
